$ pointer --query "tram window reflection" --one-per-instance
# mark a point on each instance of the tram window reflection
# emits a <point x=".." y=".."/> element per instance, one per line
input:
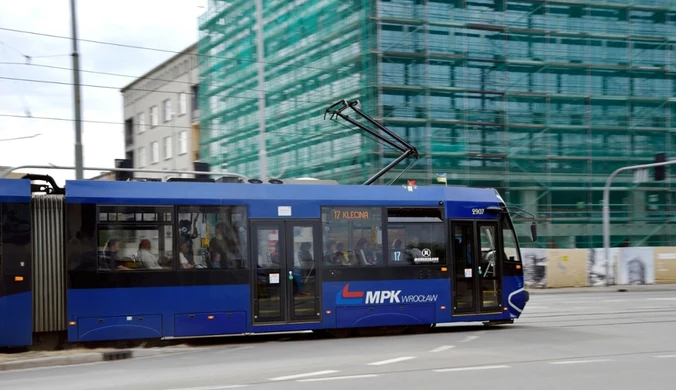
<point x="212" y="237"/>
<point x="352" y="236"/>
<point x="416" y="237"/>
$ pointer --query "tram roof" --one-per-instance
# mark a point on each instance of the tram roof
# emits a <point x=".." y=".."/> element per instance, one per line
<point x="15" y="190"/>
<point x="187" y="193"/>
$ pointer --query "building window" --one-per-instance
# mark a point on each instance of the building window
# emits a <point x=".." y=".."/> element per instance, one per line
<point x="182" y="103"/>
<point x="183" y="142"/>
<point x="167" y="148"/>
<point x="141" y="122"/>
<point x="141" y="157"/>
<point x="155" y="152"/>
<point x="153" y="116"/>
<point x="167" y="110"/>
<point x="353" y="236"/>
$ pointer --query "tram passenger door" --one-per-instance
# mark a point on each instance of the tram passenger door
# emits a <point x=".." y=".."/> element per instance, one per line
<point x="286" y="286"/>
<point x="477" y="280"/>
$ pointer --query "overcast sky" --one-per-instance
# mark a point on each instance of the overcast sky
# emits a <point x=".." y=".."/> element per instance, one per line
<point x="164" y="24"/>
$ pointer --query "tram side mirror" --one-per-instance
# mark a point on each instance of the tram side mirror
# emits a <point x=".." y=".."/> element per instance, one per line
<point x="534" y="231"/>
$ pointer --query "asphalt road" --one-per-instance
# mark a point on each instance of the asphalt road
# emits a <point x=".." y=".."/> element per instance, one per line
<point x="564" y="341"/>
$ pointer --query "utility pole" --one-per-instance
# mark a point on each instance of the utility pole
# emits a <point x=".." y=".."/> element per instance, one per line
<point x="260" y="57"/>
<point x="76" y="97"/>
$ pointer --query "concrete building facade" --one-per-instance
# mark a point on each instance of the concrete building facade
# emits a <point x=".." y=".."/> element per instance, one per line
<point x="162" y="117"/>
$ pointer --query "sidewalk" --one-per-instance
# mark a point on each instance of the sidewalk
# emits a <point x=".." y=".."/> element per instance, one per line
<point x="18" y="361"/>
<point x="615" y="288"/>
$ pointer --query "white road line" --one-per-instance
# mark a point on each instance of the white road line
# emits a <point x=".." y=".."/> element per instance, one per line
<point x="536" y="307"/>
<point x="665" y="356"/>
<point x="211" y="387"/>
<point x="442" y="348"/>
<point x="581" y="361"/>
<point x="617" y="300"/>
<point x="335" y="378"/>
<point x="653" y="307"/>
<point x="395" y="360"/>
<point x="660" y="299"/>
<point x="470" y="368"/>
<point x="469" y="338"/>
<point x="584" y="307"/>
<point x="316" y="373"/>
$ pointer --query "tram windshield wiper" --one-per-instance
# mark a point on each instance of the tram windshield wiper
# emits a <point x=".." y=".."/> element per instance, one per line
<point x="396" y="142"/>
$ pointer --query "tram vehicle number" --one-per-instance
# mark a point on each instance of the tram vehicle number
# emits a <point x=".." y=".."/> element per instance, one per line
<point x="477" y="211"/>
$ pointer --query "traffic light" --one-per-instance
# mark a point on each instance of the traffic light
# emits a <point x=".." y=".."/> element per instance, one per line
<point x="660" y="172"/>
<point x="123" y="163"/>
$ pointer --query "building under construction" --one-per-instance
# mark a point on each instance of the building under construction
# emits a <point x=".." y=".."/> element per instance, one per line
<point x="539" y="99"/>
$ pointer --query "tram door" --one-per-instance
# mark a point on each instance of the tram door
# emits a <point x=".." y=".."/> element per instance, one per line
<point x="477" y="280"/>
<point x="286" y="285"/>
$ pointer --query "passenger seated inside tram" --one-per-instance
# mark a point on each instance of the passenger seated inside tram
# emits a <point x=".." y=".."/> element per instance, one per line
<point x="361" y="250"/>
<point x="148" y="259"/>
<point x="216" y="260"/>
<point x="183" y="253"/>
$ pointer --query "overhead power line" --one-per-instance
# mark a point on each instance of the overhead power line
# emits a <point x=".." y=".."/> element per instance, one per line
<point x="128" y="46"/>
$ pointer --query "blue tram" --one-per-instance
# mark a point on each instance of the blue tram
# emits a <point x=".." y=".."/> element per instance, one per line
<point x="113" y="260"/>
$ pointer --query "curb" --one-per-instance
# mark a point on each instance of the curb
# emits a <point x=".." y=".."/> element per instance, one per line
<point x="66" y="360"/>
<point x="603" y="289"/>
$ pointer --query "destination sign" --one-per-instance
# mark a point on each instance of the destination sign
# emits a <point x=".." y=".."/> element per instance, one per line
<point x="350" y="214"/>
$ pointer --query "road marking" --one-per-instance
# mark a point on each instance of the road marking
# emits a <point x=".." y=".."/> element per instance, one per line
<point x="395" y="360"/>
<point x="654" y="307"/>
<point x="335" y="378"/>
<point x="442" y="348"/>
<point x="316" y="373"/>
<point x="536" y="307"/>
<point x="469" y="338"/>
<point x="660" y="299"/>
<point x="469" y="368"/>
<point x="581" y="361"/>
<point x="617" y="300"/>
<point x="584" y="307"/>
<point x="665" y="356"/>
<point x="211" y="387"/>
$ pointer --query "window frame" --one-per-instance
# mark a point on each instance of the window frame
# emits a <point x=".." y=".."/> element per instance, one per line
<point x="167" y="110"/>
<point x="143" y="157"/>
<point x="247" y="261"/>
<point x="154" y="119"/>
<point x="324" y="240"/>
<point x="443" y="261"/>
<point x="154" y="154"/>
<point x="168" y="147"/>
<point x="182" y="142"/>
<point x="182" y="103"/>
<point x="141" y="122"/>
<point x="158" y="210"/>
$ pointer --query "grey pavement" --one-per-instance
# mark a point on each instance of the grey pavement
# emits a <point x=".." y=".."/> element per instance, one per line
<point x="563" y="341"/>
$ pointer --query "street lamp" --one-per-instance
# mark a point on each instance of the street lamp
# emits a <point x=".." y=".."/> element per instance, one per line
<point x="17" y="138"/>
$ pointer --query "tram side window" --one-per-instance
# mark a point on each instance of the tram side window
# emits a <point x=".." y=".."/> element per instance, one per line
<point x="511" y="254"/>
<point x="213" y="237"/>
<point x="15" y="238"/>
<point x="352" y="236"/>
<point x="132" y="238"/>
<point x="416" y="237"/>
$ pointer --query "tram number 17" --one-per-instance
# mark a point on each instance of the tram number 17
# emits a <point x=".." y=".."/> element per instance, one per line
<point x="477" y="211"/>
<point x="397" y="255"/>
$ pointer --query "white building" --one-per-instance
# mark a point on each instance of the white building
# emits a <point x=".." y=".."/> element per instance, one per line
<point x="162" y="116"/>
